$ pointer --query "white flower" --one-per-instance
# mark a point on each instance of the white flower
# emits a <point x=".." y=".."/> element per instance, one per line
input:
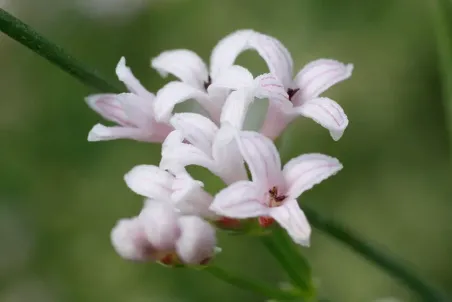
<point x="209" y="89"/>
<point x="178" y="188"/>
<point x="133" y="112"/>
<point x="159" y="233"/>
<point x="246" y="90"/>
<point x="198" y="141"/>
<point x="310" y="82"/>
<point x="273" y="193"/>
<point x="214" y="147"/>
<point x="304" y="91"/>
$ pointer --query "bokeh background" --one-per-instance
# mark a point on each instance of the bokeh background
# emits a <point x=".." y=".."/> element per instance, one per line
<point x="60" y="195"/>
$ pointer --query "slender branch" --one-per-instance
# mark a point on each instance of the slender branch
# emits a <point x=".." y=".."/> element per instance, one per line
<point x="258" y="288"/>
<point x="28" y="37"/>
<point x="286" y="253"/>
<point x="371" y="253"/>
<point x="283" y="260"/>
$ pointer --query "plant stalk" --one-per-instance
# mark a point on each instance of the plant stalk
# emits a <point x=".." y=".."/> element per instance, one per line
<point x="28" y="37"/>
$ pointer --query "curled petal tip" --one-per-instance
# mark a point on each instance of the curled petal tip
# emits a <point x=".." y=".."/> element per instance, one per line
<point x="97" y="133"/>
<point x="120" y="66"/>
<point x="336" y="135"/>
<point x="350" y="68"/>
<point x="305" y="242"/>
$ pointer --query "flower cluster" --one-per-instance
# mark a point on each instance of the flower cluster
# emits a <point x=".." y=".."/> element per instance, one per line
<point x="172" y="227"/>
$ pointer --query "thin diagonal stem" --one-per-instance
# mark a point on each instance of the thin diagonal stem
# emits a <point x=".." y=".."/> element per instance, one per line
<point x="253" y="286"/>
<point x="374" y="255"/>
<point x="283" y="260"/>
<point x="285" y="252"/>
<point x="28" y="37"/>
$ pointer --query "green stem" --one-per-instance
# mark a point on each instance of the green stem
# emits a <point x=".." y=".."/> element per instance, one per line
<point x="258" y="288"/>
<point x="283" y="260"/>
<point x="28" y="37"/>
<point x="371" y="253"/>
<point x="441" y="14"/>
<point x="286" y="253"/>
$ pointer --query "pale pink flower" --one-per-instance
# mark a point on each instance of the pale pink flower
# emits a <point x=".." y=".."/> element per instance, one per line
<point x="273" y="192"/>
<point x="310" y="82"/>
<point x="198" y="141"/>
<point x="161" y="234"/>
<point x="176" y="187"/>
<point x="133" y="112"/>
<point x="304" y="91"/>
<point x="210" y="89"/>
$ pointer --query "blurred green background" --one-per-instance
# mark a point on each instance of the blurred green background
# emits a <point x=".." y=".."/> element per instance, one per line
<point x="60" y="195"/>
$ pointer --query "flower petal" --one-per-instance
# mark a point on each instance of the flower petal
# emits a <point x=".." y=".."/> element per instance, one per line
<point x="173" y="140"/>
<point x="174" y="93"/>
<point x="161" y="224"/>
<point x="129" y="240"/>
<point x="233" y="77"/>
<point x="291" y="217"/>
<point x="277" y="57"/>
<point x="327" y="113"/>
<point x="102" y="133"/>
<point x="189" y="197"/>
<point x="176" y="155"/>
<point x="317" y="76"/>
<point x="195" y="202"/>
<point x="271" y="50"/>
<point x="137" y="109"/>
<point x="110" y="108"/>
<point x="305" y="171"/>
<point x="275" y="121"/>
<point x="126" y="76"/>
<point x="240" y="200"/>
<point x="227" y="157"/>
<point x="197" y="241"/>
<point x="269" y="86"/>
<point x="262" y="158"/>
<point x="150" y="181"/>
<point x="236" y="107"/>
<point x="227" y="50"/>
<point x="184" y="64"/>
<point x="197" y="129"/>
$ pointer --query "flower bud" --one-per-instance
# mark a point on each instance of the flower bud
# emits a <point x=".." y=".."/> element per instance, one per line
<point x="160" y="224"/>
<point x="129" y="240"/>
<point x="197" y="242"/>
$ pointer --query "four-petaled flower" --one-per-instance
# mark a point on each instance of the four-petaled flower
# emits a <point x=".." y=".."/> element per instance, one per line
<point x="273" y="191"/>
<point x="314" y="79"/>
<point x="304" y="90"/>
<point x="176" y="187"/>
<point x="133" y="112"/>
